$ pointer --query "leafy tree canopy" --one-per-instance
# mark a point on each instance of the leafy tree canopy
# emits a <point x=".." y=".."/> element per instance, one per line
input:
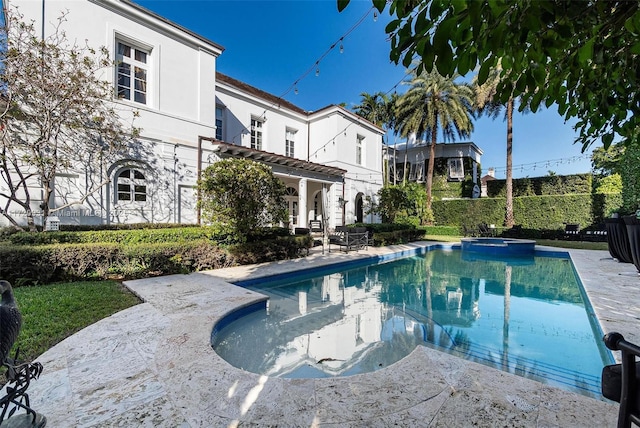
<point x="242" y="194"/>
<point x="581" y="55"/>
<point x="607" y="161"/>
<point x="56" y="116"/>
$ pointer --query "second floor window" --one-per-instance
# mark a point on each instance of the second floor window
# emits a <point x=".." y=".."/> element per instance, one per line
<point x="132" y="186"/>
<point x="456" y="169"/>
<point x="131" y="70"/>
<point x="359" y="149"/>
<point x="219" y="123"/>
<point x="256" y="134"/>
<point x="290" y="143"/>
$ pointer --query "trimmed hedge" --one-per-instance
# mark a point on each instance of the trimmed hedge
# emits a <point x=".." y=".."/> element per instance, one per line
<point x="122" y="226"/>
<point x="280" y="248"/>
<point x="392" y="233"/>
<point x="384" y="227"/>
<point x="381" y="239"/>
<point x="532" y="212"/>
<point x="26" y="265"/>
<point x="547" y="185"/>
<point x="142" y="236"/>
<point x="441" y="230"/>
<point x="128" y="237"/>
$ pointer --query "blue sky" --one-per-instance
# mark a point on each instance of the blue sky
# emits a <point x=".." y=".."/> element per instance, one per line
<point x="271" y="44"/>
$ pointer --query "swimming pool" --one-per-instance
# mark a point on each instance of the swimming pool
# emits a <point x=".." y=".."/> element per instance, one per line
<point x="524" y="315"/>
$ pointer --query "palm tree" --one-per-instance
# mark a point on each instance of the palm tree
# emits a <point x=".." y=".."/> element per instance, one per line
<point x="374" y="108"/>
<point x="488" y="103"/>
<point x="435" y="103"/>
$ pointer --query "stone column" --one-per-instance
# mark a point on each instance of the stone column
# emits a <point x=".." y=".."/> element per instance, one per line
<point x="302" y="203"/>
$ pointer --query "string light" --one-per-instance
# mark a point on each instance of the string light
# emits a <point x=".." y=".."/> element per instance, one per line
<point x="532" y="166"/>
<point x="316" y="64"/>
<point x="375" y="16"/>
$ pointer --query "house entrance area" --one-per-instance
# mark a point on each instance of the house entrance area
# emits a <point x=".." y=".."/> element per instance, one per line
<point x="292" y="205"/>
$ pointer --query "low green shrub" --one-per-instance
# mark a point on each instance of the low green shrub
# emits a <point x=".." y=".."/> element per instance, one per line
<point x="215" y="233"/>
<point x="441" y="230"/>
<point x="26" y="265"/>
<point x="122" y="226"/>
<point x="129" y="237"/>
<point x="381" y="239"/>
<point x="384" y="227"/>
<point x="280" y="248"/>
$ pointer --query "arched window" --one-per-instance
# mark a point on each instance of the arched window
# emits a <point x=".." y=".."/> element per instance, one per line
<point x="132" y="186"/>
<point x="291" y="191"/>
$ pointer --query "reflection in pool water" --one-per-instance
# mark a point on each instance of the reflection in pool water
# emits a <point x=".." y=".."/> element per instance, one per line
<point x="522" y="315"/>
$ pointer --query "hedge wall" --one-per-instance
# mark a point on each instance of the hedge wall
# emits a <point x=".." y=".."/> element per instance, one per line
<point x="547" y="185"/>
<point x="26" y="265"/>
<point x="141" y="236"/>
<point x="532" y="212"/>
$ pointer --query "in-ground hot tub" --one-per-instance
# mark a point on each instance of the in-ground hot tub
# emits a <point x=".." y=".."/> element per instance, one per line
<point x="499" y="246"/>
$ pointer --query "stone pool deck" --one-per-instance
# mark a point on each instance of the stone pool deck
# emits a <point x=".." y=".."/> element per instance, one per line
<point x="152" y="366"/>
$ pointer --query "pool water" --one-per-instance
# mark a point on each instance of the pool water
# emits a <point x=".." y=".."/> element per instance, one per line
<point x="523" y="315"/>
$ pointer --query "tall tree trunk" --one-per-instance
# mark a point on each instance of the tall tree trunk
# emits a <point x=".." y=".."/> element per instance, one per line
<point x="508" y="217"/>
<point x="432" y="156"/>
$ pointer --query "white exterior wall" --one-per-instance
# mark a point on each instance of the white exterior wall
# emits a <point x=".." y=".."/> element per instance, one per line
<point x="182" y="96"/>
<point x="180" y="107"/>
<point x="326" y="137"/>
<point x="334" y="135"/>
<point x="181" y="80"/>
<point x="239" y="108"/>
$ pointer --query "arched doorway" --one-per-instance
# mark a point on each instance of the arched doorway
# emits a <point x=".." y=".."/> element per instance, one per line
<point x="359" y="208"/>
<point x="291" y="196"/>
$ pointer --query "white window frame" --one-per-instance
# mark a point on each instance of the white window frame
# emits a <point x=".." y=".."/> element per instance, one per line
<point x="359" y="149"/>
<point x="257" y="133"/>
<point x="131" y="190"/>
<point x="131" y="67"/>
<point x="290" y="142"/>
<point x="456" y="168"/>
<point x="220" y="122"/>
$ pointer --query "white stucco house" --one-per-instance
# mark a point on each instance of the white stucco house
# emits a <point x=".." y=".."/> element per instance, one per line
<point x="190" y="116"/>
<point x="453" y="161"/>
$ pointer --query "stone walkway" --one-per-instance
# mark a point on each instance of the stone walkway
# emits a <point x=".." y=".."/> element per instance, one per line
<point x="152" y="365"/>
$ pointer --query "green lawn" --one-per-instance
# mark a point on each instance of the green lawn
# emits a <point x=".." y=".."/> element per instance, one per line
<point x="579" y="245"/>
<point x="53" y="312"/>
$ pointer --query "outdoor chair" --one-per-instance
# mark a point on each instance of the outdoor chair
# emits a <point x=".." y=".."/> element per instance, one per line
<point x="370" y="242"/>
<point x="596" y="233"/>
<point x="349" y="238"/>
<point x="315" y="226"/>
<point x="572" y="231"/>
<point x="484" y="230"/>
<point x="467" y="231"/>
<point x="620" y="382"/>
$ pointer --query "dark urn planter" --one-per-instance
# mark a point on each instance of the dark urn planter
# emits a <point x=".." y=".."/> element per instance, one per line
<point x="618" y="240"/>
<point x="633" y="230"/>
